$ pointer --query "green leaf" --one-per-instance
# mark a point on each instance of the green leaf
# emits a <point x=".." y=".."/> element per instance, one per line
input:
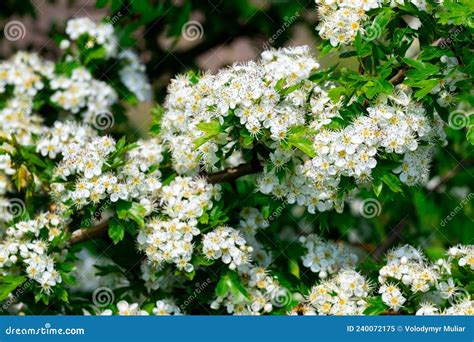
<point x="200" y="260"/>
<point x="230" y="282"/>
<point x="470" y="134"/>
<point x="294" y="268"/>
<point x="377" y="187"/>
<point x="62" y="294"/>
<point x="420" y="70"/>
<point x="212" y="127"/>
<point x="223" y="286"/>
<point x="426" y="86"/>
<point x="457" y="12"/>
<point x="236" y="287"/>
<point x="376" y="306"/>
<point x="95" y="54"/>
<point x="101" y="3"/>
<point x="336" y="93"/>
<point x="362" y="47"/>
<point x="116" y="230"/>
<point x="392" y="182"/>
<point x="8" y="284"/>
<point x="303" y="144"/>
<point x="131" y="211"/>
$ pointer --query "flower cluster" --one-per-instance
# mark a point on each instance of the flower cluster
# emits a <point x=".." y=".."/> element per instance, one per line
<point x="22" y="77"/>
<point x="161" y="308"/>
<point x="264" y="294"/>
<point x="343" y="294"/>
<point x="274" y="103"/>
<point x="163" y="240"/>
<point x="6" y="171"/>
<point x="339" y="21"/>
<point x="25" y="244"/>
<point x="186" y="198"/>
<point x="227" y="244"/>
<point x="247" y="92"/>
<point x="408" y="274"/>
<point x="102" y="35"/>
<point x="463" y="255"/>
<point x="326" y="257"/>
<point x="133" y="76"/>
<point x="169" y="242"/>
<point x="396" y="125"/>
<point x="56" y="139"/>
<point x="446" y="87"/>
<point x="27" y="82"/>
<point x="87" y="163"/>
<point x="31" y="77"/>
<point x="80" y="92"/>
<point x="251" y="219"/>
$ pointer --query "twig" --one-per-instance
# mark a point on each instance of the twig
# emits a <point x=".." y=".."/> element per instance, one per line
<point x="85" y="234"/>
<point x="233" y="173"/>
<point x="398" y="77"/>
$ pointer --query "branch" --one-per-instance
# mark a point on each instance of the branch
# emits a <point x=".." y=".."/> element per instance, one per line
<point x="398" y="77"/>
<point x="85" y="234"/>
<point x="233" y="173"/>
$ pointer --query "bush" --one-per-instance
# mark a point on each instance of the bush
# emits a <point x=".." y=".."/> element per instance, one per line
<point x="272" y="187"/>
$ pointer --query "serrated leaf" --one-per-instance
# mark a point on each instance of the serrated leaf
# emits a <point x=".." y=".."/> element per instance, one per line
<point x="8" y="284"/>
<point x="116" y="230"/>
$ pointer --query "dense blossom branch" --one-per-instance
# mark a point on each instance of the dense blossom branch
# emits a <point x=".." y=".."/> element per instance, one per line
<point x="226" y="175"/>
